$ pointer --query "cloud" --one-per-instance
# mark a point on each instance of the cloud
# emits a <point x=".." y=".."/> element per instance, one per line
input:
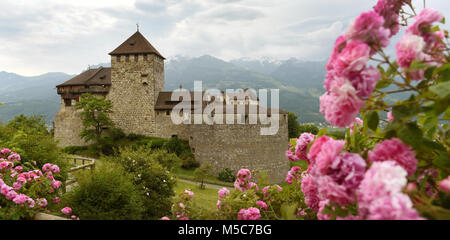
<point x="49" y="35"/>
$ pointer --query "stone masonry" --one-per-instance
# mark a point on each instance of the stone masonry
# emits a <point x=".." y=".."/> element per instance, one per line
<point x="135" y="83"/>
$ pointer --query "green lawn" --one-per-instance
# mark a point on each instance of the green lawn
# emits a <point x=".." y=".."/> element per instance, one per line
<point x="188" y="174"/>
<point x="203" y="198"/>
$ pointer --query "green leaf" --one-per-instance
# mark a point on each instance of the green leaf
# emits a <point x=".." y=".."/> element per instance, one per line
<point x="443" y="160"/>
<point x="288" y="211"/>
<point x="441" y="89"/>
<point x="417" y="65"/>
<point x="405" y="111"/>
<point x="411" y="134"/>
<point x="372" y="121"/>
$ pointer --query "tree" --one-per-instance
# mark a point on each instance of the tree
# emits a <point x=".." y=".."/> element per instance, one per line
<point x="95" y="117"/>
<point x="309" y="128"/>
<point x="292" y="125"/>
<point x="202" y="173"/>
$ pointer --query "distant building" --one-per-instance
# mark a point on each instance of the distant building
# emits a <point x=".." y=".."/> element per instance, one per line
<point x="135" y="85"/>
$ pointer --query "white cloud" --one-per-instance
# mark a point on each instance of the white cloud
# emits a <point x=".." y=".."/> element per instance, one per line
<point x="50" y="35"/>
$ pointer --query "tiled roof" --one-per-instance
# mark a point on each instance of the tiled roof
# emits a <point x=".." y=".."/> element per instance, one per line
<point x="135" y="44"/>
<point x="97" y="76"/>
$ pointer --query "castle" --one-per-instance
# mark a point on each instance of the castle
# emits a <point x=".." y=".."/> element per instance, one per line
<point x="135" y="85"/>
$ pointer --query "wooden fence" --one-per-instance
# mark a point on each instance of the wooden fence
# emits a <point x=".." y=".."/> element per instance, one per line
<point x="80" y="164"/>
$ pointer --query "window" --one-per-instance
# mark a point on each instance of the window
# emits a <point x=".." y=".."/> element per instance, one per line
<point x="135" y="57"/>
<point x="168" y="112"/>
<point x="127" y="58"/>
<point x="68" y="102"/>
<point x="118" y="58"/>
<point x="145" y="57"/>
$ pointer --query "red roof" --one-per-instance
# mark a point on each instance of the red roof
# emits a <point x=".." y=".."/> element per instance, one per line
<point x="136" y="44"/>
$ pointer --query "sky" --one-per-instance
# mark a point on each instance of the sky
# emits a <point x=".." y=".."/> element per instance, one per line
<point x="39" y="36"/>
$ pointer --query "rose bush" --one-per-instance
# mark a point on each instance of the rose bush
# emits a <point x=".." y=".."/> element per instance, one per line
<point x="396" y="168"/>
<point x="24" y="191"/>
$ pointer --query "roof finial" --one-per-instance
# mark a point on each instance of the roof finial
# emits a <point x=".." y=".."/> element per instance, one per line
<point x="137" y="26"/>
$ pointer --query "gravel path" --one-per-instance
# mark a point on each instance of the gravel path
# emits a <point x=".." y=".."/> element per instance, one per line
<point x="206" y="184"/>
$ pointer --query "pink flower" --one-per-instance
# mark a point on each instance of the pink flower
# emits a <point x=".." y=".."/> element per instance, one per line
<point x="249" y="214"/>
<point x="353" y="58"/>
<point x="341" y="105"/>
<point x="184" y="218"/>
<point x="382" y="179"/>
<point x="17" y="185"/>
<point x="262" y="204"/>
<point x="368" y="28"/>
<point x="56" y="184"/>
<point x="293" y="174"/>
<point x="349" y="217"/>
<point x="55" y="169"/>
<point x="290" y="154"/>
<point x="14" y="157"/>
<point x="165" y="218"/>
<point x="302" y="144"/>
<point x="390" y="116"/>
<point x="219" y="204"/>
<point x="223" y="192"/>
<point x="411" y="187"/>
<point x="423" y="22"/>
<point x="410" y="48"/>
<point x="323" y="150"/>
<point x="56" y="200"/>
<point x="189" y="193"/>
<point x="444" y="185"/>
<point x="11" y="195"/>
<point x="47" y="167"/>
<point x="364" y="82"/>
<point x="66" y="211"/>
<point x="42" y="202"/>
<point x="389" y="10"/>
<point x="252" y="185"/>
<point x="4" y="152"/>
<point x="18" y="168"/>
<point x="339" y="45"/>
<point x="20" y="198"/>
<point x="74" y="217"/>
<point x="310" y="190"/>
<point x="244" y="174"/>
<point x="394" y="149"/>
<point x="393" y="207"/>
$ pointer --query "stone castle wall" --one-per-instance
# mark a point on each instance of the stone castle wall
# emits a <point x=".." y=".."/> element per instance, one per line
<point x="241" y="146"/>
<point x="68" y="125"/>
<point x="165" y="128"/>
<point x="134" y="91"/>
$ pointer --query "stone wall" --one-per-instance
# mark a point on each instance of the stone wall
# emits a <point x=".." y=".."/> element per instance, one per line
<point x="68" y="125"/>
<point x="165" y="128"/>
<point x="241" y="146"/>
<point x="134" y="89"/>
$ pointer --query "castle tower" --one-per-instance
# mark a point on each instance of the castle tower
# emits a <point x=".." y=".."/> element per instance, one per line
<point x="137" y="76"/>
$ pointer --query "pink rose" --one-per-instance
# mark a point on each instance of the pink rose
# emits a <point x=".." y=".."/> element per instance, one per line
<point x="66" y="210"/>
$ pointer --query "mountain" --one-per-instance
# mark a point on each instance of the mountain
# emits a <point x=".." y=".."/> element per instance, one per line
<point x="30" y="95"/>
<point x="300" y="83"/>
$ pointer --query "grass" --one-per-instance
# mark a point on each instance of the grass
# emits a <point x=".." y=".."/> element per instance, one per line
<point x="188" y="174"/>
<point x="203" y="198"/>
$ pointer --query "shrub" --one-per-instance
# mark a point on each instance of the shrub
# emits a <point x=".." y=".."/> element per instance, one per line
<point x="226" y="175"/>
<point x="167" y="160"/>
<point x="155" y="182"/>
<point x="176" y="145"/>
<point x="24" y="189"/>
<point x="309" y="128"/>
<point x="28" y="137"/>
<point x="202" y="173"/>
<point x="107" y="194"/>
<point x="188" y="160"/>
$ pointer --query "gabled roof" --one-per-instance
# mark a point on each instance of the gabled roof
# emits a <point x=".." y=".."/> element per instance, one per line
<point x="135" y="44"/>
<point x="97" y="76"/>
